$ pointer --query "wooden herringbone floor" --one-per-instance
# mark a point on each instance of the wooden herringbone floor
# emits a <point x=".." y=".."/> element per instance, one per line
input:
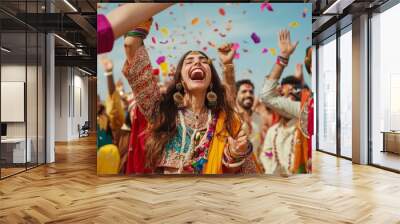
<point x="70" y="192"/>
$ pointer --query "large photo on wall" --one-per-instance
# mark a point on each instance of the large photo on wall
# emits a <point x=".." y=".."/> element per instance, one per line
<point x="204" y="88"/>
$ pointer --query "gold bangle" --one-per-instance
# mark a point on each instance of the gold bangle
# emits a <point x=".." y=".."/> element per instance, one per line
<point x="228" y="66"/>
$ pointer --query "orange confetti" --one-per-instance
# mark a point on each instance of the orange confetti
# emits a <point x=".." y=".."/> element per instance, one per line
<point x="195" y="21"/>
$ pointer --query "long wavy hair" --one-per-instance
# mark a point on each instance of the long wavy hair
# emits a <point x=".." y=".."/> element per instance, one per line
<point x="164" y="126"/>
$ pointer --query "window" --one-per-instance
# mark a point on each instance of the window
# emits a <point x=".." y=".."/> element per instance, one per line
<point x="385" y="89"/>
<point x="346" y="93"/>
<point x="327" y="96"/>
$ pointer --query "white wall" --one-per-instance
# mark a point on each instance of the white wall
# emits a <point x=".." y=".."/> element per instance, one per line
<point x="71" y="93"/>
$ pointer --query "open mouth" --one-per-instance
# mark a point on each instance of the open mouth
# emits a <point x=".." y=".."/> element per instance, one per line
<point x="197" y="74"/>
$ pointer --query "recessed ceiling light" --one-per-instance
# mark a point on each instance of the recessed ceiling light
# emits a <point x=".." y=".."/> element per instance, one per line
<point x="70" y="5"/>
<point x="64" y="40"/>
<point x="5" y="49"/>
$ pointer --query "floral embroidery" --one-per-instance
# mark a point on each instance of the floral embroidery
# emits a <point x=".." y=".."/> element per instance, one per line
<point x="143" y="84"/>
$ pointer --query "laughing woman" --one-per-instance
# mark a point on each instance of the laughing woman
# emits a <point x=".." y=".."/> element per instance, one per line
<point x="193" y="127"/>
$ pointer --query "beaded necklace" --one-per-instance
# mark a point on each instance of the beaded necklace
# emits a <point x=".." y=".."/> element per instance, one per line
<point x="275" y="151"/>
<point x="198" y="154"/>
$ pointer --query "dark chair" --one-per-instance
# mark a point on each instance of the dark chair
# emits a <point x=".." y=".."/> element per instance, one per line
<point x="84" y="130"/>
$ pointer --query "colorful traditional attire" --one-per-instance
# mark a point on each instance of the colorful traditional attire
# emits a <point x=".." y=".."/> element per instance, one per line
<point x="302" y="112"/>
<point x="108" y="136"/>
<point x="192" y="149"/>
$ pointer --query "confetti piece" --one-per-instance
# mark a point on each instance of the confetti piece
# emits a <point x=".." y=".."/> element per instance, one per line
<point x="164" y="42"/>
<point x="294" y="24"/>
<point x="211" y="44"/>
<point x="237" y="56"/>
<point x="304" y="14"/>
<point x="255" y="38"/>
<point x="204" y="48"/>
<point x="155" y="71"/>
<point x="272" y="51"/>
<point x="208" y="22"/>
<point x="160" y="60"/>
<point x="245" y="50"/>
<point x="198" y="42"/>
<point x="154" y="40"/>
<point x="222" y="35"/>
<point x="156" y="26"/>
<point x="221" y="11"/>
<point x="195" y="21"/>
<point x="228" y="26"/>
<point x="171" y="13"/>
<point x="264" y="50"/>
<point x="235" y="46"/>
<point x="164" y="31"/>
<point x="250" y="71"/>
<point x="215" y="30"/>
<point x="267" y="6"/>
<point x="268" y="154"/>
<point x="164" y="67"/>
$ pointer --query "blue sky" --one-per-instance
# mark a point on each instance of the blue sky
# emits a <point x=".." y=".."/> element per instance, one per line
<point x="243" y="18"/>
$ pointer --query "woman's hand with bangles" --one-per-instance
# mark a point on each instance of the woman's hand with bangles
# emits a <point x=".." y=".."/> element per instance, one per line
<point x="239" y="146"/>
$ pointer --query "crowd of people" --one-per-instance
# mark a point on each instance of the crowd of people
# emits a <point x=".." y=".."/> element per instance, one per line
<point x="200" y="122"/>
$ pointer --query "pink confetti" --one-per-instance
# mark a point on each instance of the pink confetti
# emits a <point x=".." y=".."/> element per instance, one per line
<point x="204" y="48"/>
<point x="264" y="50"/>
<point x="153" y="39"/>
<point x="269" y="154"/>
<point x="237" y="56"/>
<point x="160" y="60"/>
<point x="235" y="46"/>
<point x="267" y="6"/>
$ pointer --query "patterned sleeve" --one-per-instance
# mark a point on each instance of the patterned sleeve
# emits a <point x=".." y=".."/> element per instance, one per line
<point x="143" y="83"/>
<point x="115" y="111"/>
<point x="284" y="106"/>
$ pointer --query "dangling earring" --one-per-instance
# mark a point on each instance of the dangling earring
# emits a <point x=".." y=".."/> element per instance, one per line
<point x="211" y="97"/>
<point x="178" y="96"/>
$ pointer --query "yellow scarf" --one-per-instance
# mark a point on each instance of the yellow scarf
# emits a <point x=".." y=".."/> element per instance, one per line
<point x="214" y="163"/>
